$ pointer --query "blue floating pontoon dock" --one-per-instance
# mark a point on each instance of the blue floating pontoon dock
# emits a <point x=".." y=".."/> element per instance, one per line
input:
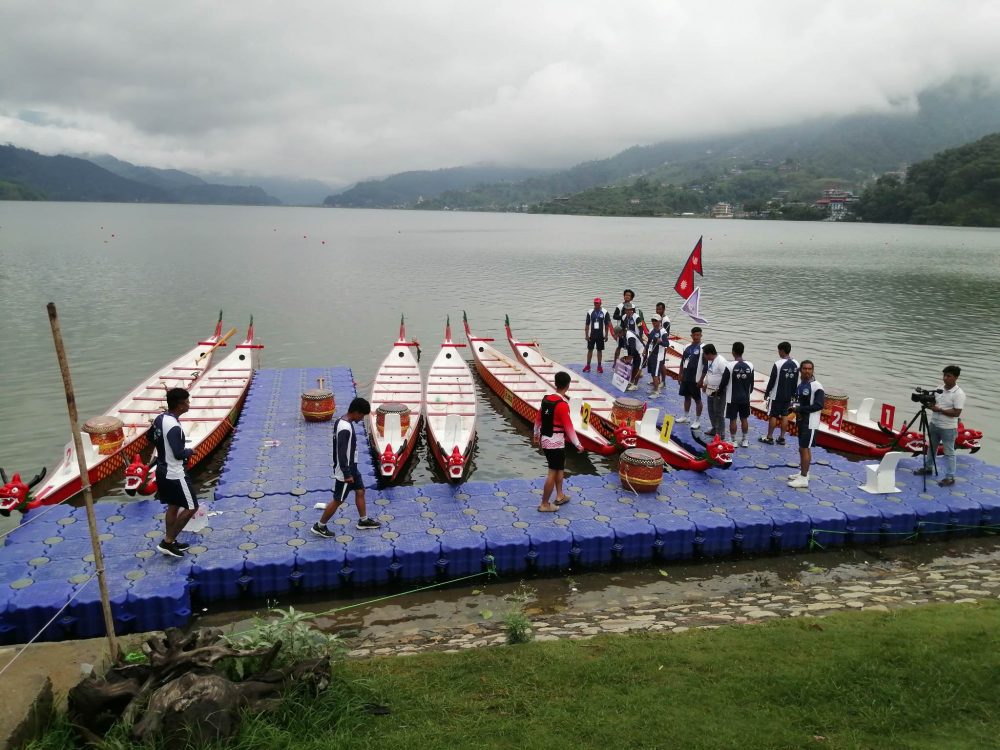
<point x="278" y="467"/>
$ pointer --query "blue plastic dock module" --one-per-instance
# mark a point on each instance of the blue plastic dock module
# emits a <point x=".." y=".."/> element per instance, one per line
<point x="509" y="546"/>
<point x="552" y="543"/>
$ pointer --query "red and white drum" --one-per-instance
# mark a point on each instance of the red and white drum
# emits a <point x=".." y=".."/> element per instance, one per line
<point x="318" y="404"/>
<point x="106" y="434"/>
<point x="640" y="470"/>
<point x="392" y="408"/>
<point x="627" y="411"/>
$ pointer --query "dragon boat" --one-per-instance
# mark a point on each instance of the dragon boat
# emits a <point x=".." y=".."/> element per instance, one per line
<point x="602" y="417"/>
<point x="216" y="402"/>
<point x="397" y="402"/>
<point x="523" y="390"/>
<point x="111" y="441"/>
<point x="451" y="409"/>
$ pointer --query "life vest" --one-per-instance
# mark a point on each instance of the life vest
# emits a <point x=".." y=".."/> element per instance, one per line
<point x="548" y="411"/>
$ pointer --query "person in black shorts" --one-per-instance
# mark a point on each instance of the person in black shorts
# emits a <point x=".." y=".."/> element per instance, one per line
<point x="596" y="327"/>
<point x="692" y="375"/>
<point x="346" y="476"/>
<point x="553" y="425"/>
<point x="173" y="484"/>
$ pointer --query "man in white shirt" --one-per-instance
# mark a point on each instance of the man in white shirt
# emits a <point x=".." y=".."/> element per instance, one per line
<point x="943" y="426"/>
<point x="716" y="396"/>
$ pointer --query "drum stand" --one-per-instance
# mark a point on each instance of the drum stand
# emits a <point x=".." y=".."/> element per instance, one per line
<point x="924" y="430"/>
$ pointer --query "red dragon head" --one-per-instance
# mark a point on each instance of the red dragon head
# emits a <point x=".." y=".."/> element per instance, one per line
<point x="719" y="452"/>
<point x="388" y="461"/>
<point x="138" y="479"/>
<point x="15" y="494"/>
<point x="456" y="464"/>
<point x="967" y="439"/>
<point x="624" y="437"/>
<point x="912" y="442"/>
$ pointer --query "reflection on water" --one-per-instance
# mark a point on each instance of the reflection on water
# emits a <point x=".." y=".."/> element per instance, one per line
<point x="880" y="309"/>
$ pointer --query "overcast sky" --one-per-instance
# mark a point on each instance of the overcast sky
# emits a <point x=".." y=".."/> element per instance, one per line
<point x="342" y="91"/>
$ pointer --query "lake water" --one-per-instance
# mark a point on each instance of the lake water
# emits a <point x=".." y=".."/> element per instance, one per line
<point x="880" y="309"/>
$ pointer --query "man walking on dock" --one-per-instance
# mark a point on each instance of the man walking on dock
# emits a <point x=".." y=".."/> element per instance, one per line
<point x="173" y="484"/>
<point x="346" y="476"/>
<point x="553" y="425"/>
<point x="807" y="408"/>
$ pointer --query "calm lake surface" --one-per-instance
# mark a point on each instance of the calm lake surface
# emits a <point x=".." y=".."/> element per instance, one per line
<point x="880" y="309"/>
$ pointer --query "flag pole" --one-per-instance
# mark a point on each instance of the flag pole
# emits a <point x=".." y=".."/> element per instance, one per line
<point x="88" y="498"/>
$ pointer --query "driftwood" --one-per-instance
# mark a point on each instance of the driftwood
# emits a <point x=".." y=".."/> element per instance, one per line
<point x="181" y="693"/>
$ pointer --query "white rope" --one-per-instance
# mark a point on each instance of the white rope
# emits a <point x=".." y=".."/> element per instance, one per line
<point x="63" y="607"/>
<point x="33" y="517"/>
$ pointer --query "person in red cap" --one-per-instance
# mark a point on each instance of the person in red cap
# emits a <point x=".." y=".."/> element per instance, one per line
<point x="595" y="332"/>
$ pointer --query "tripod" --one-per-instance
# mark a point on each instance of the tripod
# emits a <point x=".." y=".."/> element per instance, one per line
<point x="924" y="432"/>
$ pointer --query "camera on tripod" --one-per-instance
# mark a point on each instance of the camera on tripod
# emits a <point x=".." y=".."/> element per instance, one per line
<point x="925" y="396"/>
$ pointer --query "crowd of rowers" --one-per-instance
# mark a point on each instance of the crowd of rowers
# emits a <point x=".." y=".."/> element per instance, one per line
<point x="728" y="385"/>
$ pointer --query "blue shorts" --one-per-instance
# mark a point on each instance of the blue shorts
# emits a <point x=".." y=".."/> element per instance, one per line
<point x="690" y="389"/>
<point x="341" y="488"/>
<point x="737" y="410"/>
<point x="807" y="437"/>
<point x="176" y="492"/>
<point x="779" y="409"/>
<point x="596" y="342"/>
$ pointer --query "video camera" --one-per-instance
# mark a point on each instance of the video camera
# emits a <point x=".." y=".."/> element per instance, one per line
<point x="925" y="396"/>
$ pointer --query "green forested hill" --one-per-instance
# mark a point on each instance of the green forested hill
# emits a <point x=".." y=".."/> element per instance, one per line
<point x="958" y="187"/>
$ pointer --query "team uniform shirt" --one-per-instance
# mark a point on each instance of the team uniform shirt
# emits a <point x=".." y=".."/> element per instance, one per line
<point x="665" y="327"/>
<point x="782" y="383"/>
<point x="737" y="381"/>
<point x="953" y="399"/>
<point x="632" y="343"/>
<point x="810" y="399"/>
<point x="345" y="450"/>
<point x="553" y="423"/>
<point x="714" y="371"/>
<point x="656" y="350"/>
<point x="597" y="321"/>
<point x="168" y="439"/>
<point x="692" y="364"/>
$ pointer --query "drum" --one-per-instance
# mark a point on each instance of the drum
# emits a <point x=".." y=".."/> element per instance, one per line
<point x="318" y="403"/>
<point x="640" y="470"/>
<point x="392" y="408"/>
<point x="833" y="398"/>
<point x="627" y="411"/>
<point x="106" y="434"/>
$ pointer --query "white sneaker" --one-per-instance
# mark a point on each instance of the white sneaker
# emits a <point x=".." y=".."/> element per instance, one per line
<point x="696" y="424"/>
<point x="794" y="477"/>
<point x="631" y="387"/>
<point x="682" y="420"/>
<point x="800" y="482"/>
<point x="745" y="443"/>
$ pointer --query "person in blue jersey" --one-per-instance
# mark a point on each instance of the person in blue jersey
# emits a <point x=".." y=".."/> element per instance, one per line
<point x="595" y="331"/>
<point x="616" y="321"/>
<point x="942" y="428"/>
<point x="346" y="476"/>
<point x="692" y="376"/>
<point x="656" y="351"/>
<point x="807" y="408"/>
<point x="634" y="346"/>
<point x="779" y="392"/>
<point x="661" y="310"/>
<point x="714" y="394"/>
<point x="173" y="484"/>
<point x="737" y="382"/>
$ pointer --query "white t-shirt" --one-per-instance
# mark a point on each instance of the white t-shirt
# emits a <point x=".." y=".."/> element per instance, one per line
<point x="953" y="399"/>
<point x="713" y="375"/>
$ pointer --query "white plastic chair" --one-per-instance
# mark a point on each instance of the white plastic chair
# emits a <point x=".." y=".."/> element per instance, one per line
<point x="880" y="478"/>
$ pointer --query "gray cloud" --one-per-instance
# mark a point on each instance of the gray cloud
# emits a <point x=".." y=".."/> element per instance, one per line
<point x="342" y="91"/>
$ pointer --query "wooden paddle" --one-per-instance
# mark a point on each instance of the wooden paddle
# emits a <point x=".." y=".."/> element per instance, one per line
<point x="215" y="346"/>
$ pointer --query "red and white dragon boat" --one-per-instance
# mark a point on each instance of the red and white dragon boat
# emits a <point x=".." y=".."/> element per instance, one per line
<point x="523" y="390"/>
<point x="216" y="401"/>
<point x="117" y="447"/>
<point x="397" y="403"/>
<point x="450" y="407"/>
<point x="718" y="452"/>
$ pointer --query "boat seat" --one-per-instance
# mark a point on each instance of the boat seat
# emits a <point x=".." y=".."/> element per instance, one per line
<point x="452" y="429"/>
<point x="393" y="432"/>
<point x="863" y="414"/>
<point x="880" y="478"/>
<point x="647" y="427"/>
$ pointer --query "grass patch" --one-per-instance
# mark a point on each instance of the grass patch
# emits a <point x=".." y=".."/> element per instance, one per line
<point x="919" y="678"/>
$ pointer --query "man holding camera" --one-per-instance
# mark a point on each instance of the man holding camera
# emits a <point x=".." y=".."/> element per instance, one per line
<point x="942" y="428"/>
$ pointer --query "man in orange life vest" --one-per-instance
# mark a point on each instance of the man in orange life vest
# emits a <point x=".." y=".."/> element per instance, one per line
<point x="552" y="425"/>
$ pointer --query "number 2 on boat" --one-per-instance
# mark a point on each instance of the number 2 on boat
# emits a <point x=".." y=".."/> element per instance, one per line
<point x="585" y="413"/>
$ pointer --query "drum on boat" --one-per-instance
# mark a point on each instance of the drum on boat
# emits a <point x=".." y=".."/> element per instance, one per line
<point x="318" y="403"/>
<point x="106" y="434"/>
<point x="640" y="470"/>
<point x="392" y="407"/>
<point x="833" y="398"/>
<point x="627" y="411"/>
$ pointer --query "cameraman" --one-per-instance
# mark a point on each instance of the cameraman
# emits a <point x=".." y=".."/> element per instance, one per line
<point x="943" y="426"/>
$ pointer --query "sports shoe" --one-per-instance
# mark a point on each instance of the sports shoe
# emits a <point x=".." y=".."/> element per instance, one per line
<point x="631" y="387"/>
<point x="170" y="549"/>
<point x="682" y="420"/>
<point x="765" y="440"/>
<point x="654" y="393"/>
<point x="600" y="369"/>
<point x="800" y="483"/>
<point x="793" y="477"/>
<point x="696" y="424"/>
<point x="946" y="482"/>
<point x="182" y="546"/>
<point x="780" y="441"/>
<point x="923" y="471"/>
<point x="367" y="523"/>
<point x="587" y="368"/>
<point x="709" y="433"/>
<point x="320" y="529"/>
<point x="745" y="443"/>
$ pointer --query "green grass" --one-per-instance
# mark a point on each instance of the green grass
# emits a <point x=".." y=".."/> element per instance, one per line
<point x="921" y="678"/>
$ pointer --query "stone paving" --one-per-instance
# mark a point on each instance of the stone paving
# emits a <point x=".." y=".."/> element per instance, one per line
<point x="956" y="581"/>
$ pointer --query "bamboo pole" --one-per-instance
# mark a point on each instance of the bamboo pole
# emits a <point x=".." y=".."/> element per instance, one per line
<point x="109" y="624"/>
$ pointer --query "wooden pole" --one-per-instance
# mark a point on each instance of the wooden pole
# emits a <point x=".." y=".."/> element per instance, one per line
<point x="109" y="624"/>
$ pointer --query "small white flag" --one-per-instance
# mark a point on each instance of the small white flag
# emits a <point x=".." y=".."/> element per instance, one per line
<point x="691" y="307"/>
